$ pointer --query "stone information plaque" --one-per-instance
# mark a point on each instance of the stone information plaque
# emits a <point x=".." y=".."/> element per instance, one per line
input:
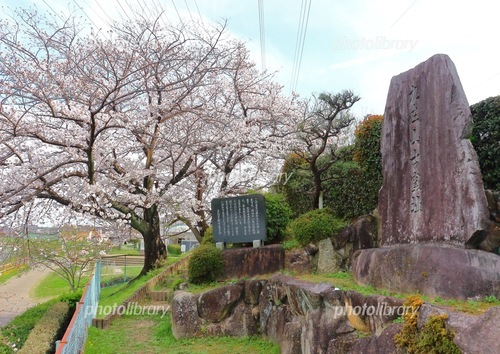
<point x="239" y="219"/>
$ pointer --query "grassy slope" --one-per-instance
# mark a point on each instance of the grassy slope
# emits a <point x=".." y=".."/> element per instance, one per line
<point x="153" y="334"/>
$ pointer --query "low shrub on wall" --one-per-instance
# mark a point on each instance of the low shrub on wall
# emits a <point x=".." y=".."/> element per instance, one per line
<point x="43" y="336"/>
<point x="314" y="226"/>
<point x="174" y="249"/>
<point x="17" y="331"/>
<point x="206" y="264"/>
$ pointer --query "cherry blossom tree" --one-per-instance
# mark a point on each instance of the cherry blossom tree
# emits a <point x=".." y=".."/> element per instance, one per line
<point x="71" y="254"/>
<point x="259" y="123"/>
<point x="132" y="124"/>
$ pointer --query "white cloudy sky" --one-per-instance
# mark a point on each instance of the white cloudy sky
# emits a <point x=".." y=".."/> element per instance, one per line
<point x="347" y="44"/>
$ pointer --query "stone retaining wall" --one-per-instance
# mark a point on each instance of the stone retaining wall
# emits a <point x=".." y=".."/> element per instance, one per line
<point x="301" y="317"/>
<point x="304" y="317"/>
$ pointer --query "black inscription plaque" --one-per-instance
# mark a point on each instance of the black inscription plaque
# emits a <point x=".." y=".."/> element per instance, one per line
<point x="239" y="219"/>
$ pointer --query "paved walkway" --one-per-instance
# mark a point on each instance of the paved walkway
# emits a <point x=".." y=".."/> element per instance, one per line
<point x="15" y="294"/>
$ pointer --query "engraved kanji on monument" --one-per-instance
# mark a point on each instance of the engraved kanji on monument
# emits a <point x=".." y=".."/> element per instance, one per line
<point x="239" y="219"/>
<point x="432" y="189"/>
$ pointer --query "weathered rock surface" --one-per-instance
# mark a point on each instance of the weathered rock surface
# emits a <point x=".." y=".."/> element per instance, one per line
<point x="329" y="261"/>
<point x="241" y="262"/>
<point x="362" y="232"/>
<point x="491" y="241"/>
<point x="298" y="260"/>
<point x="375" y="344"/>
<point x="304" y="317"/>
<point x="185" y="320"/>
<point x="469" y="329"/>
<point x="447" y="272"/>
<point x="371" y="313"/>
<point x="253" y="289"/>
<point x="432" y="189"/>
<point x="214" y="305"/>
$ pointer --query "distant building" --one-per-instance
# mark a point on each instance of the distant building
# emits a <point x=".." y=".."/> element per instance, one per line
<point x="179" y="233"/>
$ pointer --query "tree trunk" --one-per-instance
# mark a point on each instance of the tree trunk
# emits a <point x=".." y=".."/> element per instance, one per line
<point x="317" y="185"/>
<point x="154" y="248"/>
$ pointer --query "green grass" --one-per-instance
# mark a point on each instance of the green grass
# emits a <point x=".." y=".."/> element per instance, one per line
<point x="5" y="276"/>
<point x="53" y="285"/>
<point x="153" y="334"/>
<point x="116" y="294"/>
<point x="17" y="330"/>
<point x="108" y="272"/>
<point x="345" y="281"/>
<point x="128" y="249"/>
<point x="469" y="306"/>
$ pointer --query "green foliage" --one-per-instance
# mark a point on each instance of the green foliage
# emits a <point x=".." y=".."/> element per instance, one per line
<point x="350" y="185"/>
<point x="18" y="330"/>
<point x="205" y="265"/>
<point x="136" y="334"/>
<point x="136" y="242"/>
<point x="208" y="237"/>
<point x="314" y="226"/>
<point x="43" y="336"/>
<point x="5" y="349"/>
<point x="349" y="192"/>
<point x="367" y="144"/>
<point x="433" y="337"/>
<point x="486" y="139"/>
<point x="290" y="244"/>
<point x="174" y="249"/>
<point x="176" y="282"/>
<point x="71" y="298"/>
<point x="299" y="186"/>
<point x="278" y="214"/>
<point x="492" y="299"/>
<point x="115" y="280"/>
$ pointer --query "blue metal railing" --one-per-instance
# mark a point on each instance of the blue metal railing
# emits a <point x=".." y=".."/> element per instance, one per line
<point x="76" y="334"/>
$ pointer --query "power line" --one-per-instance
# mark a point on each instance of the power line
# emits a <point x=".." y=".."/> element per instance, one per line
<point x="89" y="5"/>
<point x="55" y="13"/>
<point x="302" y="46"/>
<point x="199" y="13"/>
<point x="189" y="11"/>
<point x="175" y="7"/>
<point x="123" y="9"/>
<point x="297" y="40"/>
<point x="404" y="13"/>
<point x="301" y="38"/>
<point x="262" y="35"/>
<point x="81" y="9"/>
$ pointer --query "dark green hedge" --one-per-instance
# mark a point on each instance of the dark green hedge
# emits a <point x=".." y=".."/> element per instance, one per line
<point x="486" y="139"/>
<point x="278" y="214"/>
<point x="174" y="249"/>
<point x="314" y="226"/>
<point x="206" y="264"/>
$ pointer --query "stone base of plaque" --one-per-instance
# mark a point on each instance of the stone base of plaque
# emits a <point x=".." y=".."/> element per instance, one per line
<point x="220" y="245"/>
<point x="430" y="270"/>
<point x="249" y="262"/>
<point x="258" y="243"/>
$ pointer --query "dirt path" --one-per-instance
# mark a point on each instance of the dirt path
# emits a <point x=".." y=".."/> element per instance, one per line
<point x="14" y="294"/>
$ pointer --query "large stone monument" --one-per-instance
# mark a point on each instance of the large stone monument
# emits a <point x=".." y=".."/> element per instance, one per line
<point x="432" y="202"/>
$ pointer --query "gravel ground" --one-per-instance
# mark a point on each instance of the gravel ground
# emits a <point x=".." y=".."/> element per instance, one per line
<point x="15" y="294"/>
